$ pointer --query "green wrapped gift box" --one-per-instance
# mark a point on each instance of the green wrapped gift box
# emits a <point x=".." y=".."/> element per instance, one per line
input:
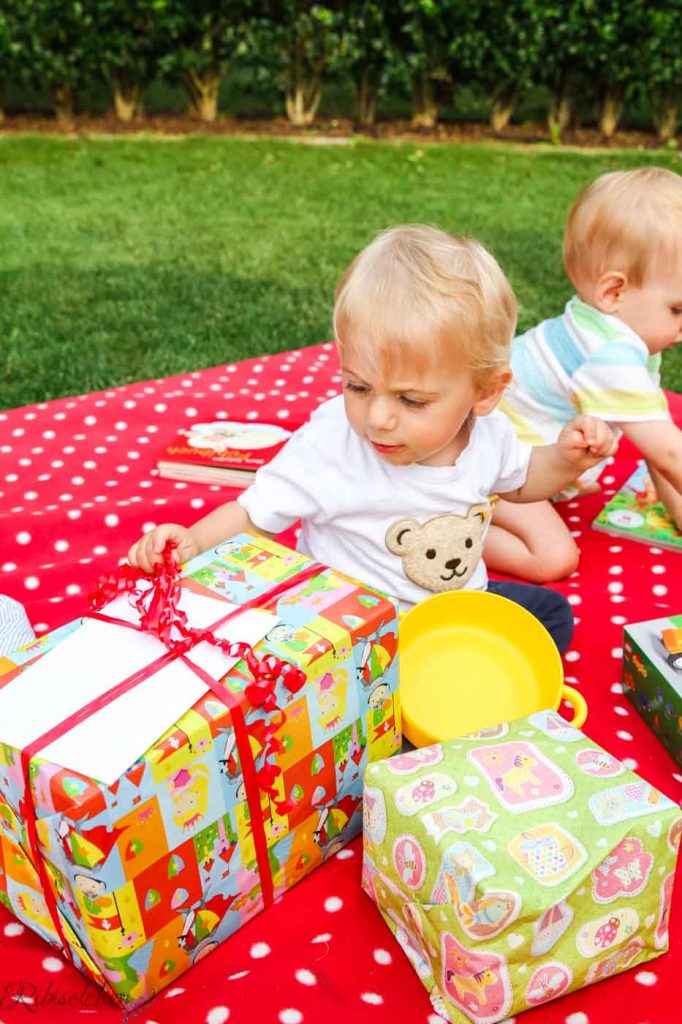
<point x="652" y="677"/>
<point x="518" y="863"/>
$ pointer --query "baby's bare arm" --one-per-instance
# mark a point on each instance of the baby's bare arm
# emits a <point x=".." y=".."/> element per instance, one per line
<point x="221" y="524"/>
<point x="661" y="445"/>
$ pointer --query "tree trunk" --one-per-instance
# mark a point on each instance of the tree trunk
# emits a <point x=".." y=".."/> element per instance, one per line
<point x="202" y="90"/>
<point x="505" y="98"/>
<point x="611" y="109"/>
<point x="62" y="101"/>
<point x="560" y="110"/>
<point x="366" y="99"/>
<point x="302" y="99"/>
<point x="2" y="102"/>
<point x="664" y="111"/>
<point x="424" y="106"/>
<point x="127" y="93"/>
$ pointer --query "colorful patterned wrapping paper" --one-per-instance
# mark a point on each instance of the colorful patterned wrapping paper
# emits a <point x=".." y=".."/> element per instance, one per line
<point x="516" y="864"/>
<point x="151" y="873"/>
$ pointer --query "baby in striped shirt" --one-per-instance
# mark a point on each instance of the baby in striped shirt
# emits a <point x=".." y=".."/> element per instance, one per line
<point x="623" y="254"/>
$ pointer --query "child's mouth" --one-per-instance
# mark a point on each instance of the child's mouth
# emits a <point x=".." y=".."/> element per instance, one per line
<point x="387" y="449"/>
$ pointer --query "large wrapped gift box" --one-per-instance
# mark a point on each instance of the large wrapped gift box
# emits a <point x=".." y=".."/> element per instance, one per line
<point x="138" y="871"/>
<point x="652" y="677"/>
<point x="516" y="864"/>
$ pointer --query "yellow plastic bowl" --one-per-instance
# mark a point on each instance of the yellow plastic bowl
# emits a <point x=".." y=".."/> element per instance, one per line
<point x="470" y="660"/>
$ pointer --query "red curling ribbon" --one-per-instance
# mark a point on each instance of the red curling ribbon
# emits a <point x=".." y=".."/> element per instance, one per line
<point x="160" y="616"/>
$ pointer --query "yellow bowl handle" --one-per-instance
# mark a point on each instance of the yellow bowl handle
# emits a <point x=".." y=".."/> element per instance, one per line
<point x="578" y="703"/>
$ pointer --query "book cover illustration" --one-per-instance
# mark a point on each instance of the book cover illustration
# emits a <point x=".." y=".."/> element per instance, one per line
<point x="636" y="513"/>
<point x="225" y="451"/>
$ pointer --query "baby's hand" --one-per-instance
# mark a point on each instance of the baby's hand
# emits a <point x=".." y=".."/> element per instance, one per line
<point x="149" y="549"/>
<point x="585" y="441"/>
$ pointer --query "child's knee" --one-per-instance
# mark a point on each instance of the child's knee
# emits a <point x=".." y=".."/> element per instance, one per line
<point x="556" y="563"/>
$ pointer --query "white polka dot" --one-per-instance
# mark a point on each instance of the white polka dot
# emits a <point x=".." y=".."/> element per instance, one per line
<point x="23" y="537"/>
<point x="574" y="599"/>
<point x="345" y="854"/>
<point x="323" y="937"/>
<point x="572" y="656"/>
<point x="218" y="1015"/>
<point x="73" y="588"/>
<point x="647" y="978"/>
<point x="382" y="956"/>
<point x="172" y="992"/>
<point x="290" y="1016"/>
<point x="74" y="513"/>
<point x="577" y="1018"/>
<point x="197" y="503"/>
<point x="620" y="710"/>
<point x="332" y="904"/>
<point x="9" y="567"/>
<point x="623" y="735"/>
<point x="373" y="998"/>
<point x="617" y="598"/>
<point x="306" y="977"/>
<point x="90" y="421"/>
<point x="53" y="964"/>
<point x="259" y="950"/>
<point x="13" y="929"/>
<point x="618" y="620"/>
<point x="61" y="545"/>
<point x="630" y="763"/>
<point x="658" y="570"/>
<point x="615" y="588"/>
<point x="615" y="570"/>
<point x="237" y="975"/>
<point x="111" y="519"/>
<point x="659" y="590"/>
<point x="31" y="582"/>
<point x="160" y="407"/>
<point x="99" y="550"/>
<point x="616" y="652"/>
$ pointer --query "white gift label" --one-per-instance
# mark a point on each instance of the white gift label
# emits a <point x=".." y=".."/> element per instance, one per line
<point x="96" y="658"/>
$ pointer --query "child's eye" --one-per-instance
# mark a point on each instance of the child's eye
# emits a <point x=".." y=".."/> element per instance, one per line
<point x="412" y="403"/>
<point x="676" y="310"/>
<point x="358" y="389"/>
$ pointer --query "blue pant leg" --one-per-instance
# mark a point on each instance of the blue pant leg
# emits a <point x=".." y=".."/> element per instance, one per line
<point x="550" y="607"/>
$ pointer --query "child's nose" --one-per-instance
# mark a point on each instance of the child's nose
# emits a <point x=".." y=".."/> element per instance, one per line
<point x="381" y="413"/>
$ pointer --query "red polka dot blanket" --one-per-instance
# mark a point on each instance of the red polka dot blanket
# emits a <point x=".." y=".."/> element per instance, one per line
<point x="77" y="486"/>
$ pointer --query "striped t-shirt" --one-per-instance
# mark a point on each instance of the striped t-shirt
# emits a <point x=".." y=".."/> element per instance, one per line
<point x="584" y="361"/>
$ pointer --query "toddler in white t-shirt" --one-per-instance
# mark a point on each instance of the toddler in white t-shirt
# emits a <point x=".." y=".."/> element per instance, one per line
<point x="392" y="480"/>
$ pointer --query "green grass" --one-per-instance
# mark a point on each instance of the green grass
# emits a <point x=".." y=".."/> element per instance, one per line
<point x="125" y="259"/>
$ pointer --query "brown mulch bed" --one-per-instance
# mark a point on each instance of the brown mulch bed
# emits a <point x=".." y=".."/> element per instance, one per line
<point x="334" y="128"/>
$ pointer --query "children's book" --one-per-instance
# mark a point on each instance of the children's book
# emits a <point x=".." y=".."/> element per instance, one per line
<point x="223" y="452"/>
<point x="636" y="513"/>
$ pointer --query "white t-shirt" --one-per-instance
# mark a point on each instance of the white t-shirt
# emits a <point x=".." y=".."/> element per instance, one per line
<point x="406" y="530"/>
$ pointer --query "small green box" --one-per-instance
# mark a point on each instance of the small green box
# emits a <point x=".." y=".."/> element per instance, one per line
<point x="652" y="677"/>
<point x="517" y="864"/>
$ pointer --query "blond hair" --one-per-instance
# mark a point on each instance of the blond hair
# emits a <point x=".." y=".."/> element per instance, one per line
<point x="626" y="221"/>
<point x="420" y="296"/>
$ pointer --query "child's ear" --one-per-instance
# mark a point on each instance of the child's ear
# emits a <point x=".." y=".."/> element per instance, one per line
<point x="608" y="291"/>
<point x="490" y="393"/>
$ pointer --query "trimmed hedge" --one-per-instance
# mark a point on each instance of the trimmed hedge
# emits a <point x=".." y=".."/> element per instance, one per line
<point x="607" y="56"/>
